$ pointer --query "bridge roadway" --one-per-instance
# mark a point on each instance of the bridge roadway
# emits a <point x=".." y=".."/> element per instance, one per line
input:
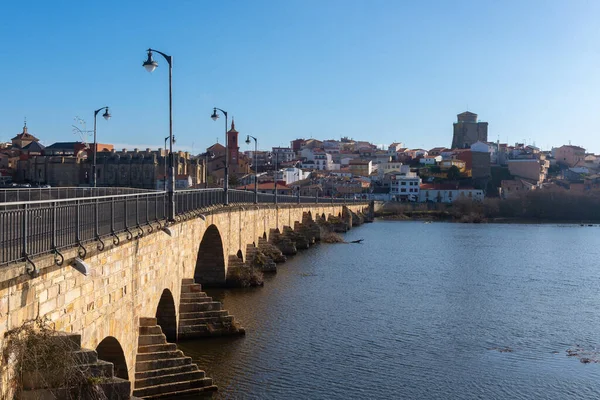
<point x="140" y="275"/>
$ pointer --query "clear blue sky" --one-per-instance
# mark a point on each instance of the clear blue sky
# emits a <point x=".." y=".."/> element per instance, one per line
<point x="375" y="70"/>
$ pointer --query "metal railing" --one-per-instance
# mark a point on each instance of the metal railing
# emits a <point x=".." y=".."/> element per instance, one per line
<point x="8" y="195"/>
<point x="31" y="228"/>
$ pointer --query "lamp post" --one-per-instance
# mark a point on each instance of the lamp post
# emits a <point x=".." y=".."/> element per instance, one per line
<point x="106" y="116"/>
<point x="275" y="176"/>
<point x="215" y="117"/>
<point x="150" y="66"/>
<point x="165" y="178"/>
<point x="255" y="166"/>
<point x="207" y="155"/>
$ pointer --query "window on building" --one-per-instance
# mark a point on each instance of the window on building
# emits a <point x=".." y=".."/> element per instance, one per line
<point x="403" y="190"/>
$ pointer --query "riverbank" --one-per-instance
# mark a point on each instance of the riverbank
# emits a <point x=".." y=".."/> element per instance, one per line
<point x="534" y="207"/>
<point x="447" y="217"/>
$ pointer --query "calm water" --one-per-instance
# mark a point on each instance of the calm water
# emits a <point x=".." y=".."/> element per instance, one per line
<point x="415" y="312"/>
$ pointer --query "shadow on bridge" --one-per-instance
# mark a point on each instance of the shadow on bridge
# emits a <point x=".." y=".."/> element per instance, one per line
<point x="210" y="263"/>
<point x="166" y="315"/>
<point x="109" y="349"/>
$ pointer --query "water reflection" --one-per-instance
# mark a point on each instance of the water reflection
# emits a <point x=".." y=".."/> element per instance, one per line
<point x="418" y="311"/>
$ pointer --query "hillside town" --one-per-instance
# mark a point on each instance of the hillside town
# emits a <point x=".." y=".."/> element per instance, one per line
<point x="473" y="167"/>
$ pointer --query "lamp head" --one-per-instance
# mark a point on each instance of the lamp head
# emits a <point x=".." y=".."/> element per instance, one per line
<point x="214" y="115"/>
<point x="106" y="114"/>
<point x="150" y="64"/>
<point x="248" y="139"/>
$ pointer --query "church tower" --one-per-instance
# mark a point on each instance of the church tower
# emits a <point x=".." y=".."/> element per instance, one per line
<point x="232" y="146"/>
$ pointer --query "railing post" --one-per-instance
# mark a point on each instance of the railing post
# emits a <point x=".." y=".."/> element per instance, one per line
<point x="155" y="207"/>
<point x="96" y="232"/>
<point x="24" y="232"/>
<point x="112" y="215"/>
<point x="54" y="225"/>
<point x="137" y="210"/>
<point x="77" y="221"/>
<point x="165" y="205"/>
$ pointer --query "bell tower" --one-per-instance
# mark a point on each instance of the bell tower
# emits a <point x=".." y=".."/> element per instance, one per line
<point x="232" y="146"/>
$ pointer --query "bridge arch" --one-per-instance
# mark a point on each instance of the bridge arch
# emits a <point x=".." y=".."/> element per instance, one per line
<point x="109" y="349"/>
<point x="166" y="315"/>
<point x="210" y="263"/>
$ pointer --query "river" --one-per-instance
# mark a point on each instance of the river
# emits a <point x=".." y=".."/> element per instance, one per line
<point x="420" y="311"/>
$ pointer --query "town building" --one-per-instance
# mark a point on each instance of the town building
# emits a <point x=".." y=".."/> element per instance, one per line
<point x="510" y="188"/>
<point x="360" y="167"/>
<point x="390" y="167"/>
<point x="259" y="160"/>
<point x="485" y="147"/>
<point x="283" y="154"/>
<point x="437" y="151"/>
<point x="569" y="155"/>
<point x="430" y="160"/>
<point x="448" y="193"/>
<point x="477" y="164"/>
<point x="23" y="139"/>
<point x="535" y="168"/>
<point x="405" y="186"/>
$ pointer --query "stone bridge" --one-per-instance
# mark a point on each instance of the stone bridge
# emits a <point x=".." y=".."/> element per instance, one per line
<point x="132" y="292"/>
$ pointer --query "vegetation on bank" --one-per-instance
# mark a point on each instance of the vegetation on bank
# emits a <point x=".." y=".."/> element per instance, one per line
<point x="537" y="205"/>
<point x="244" y="277"/>
<point x="35" y="356"/>
<point x="331" y="237"/>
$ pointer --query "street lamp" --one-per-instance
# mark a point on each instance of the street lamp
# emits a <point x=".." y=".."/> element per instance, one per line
<point x="165" y="177"/>
<point x="275" y="176"/>
<point x="207" y="155"/>
<point x="215" y="117"/>
<point x="150" y="66"/>
<point x="106" y="116"/>
<point x="255" y="166"/>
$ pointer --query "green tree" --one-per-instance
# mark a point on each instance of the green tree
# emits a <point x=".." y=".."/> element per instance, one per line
<point x="233" y="180"/>
<point x="453" y="173"/>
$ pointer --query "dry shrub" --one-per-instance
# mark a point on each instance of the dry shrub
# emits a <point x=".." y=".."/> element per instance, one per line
<point x="245" y="277"/>
<point x="331" y="237"/>
<point x="38" y="357"/>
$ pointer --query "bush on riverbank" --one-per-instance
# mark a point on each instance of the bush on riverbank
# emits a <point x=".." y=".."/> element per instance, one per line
<point x="245" y="277"/>
<point x="331" y="237"/>
<point x="537" y="205"/>
<point x="35" y="356"/>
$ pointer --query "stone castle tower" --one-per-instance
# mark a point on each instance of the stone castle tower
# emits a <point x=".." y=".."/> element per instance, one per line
<point x="467" y="130"/>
